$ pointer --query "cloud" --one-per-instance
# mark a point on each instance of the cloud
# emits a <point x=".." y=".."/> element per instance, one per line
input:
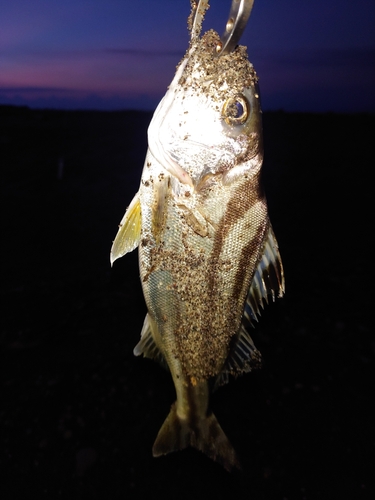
<point x="96" y="70"/>
<point x="61" y="98"/>
<point x="146" y="53"/>
<point x="116" y="78"/>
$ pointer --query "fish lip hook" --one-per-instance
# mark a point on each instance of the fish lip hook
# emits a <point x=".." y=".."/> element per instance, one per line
<point x="238" y="16"/>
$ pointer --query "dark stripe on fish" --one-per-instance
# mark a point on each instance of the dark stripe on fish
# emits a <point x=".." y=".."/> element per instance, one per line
<point x="243" y="199"/>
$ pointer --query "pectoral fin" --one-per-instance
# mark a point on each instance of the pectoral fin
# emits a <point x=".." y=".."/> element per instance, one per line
<point x="129" y="233"/>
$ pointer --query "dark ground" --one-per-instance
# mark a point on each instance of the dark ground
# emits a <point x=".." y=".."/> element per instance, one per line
<point x="79" y="413"/>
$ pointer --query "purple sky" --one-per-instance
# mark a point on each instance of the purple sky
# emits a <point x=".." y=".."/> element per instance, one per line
<point x="117" y="54"/>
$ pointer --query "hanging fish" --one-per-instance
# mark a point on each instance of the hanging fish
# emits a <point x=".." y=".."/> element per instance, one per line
<point x="208" y="256"/>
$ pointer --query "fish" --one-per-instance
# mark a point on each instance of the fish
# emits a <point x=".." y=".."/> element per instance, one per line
<point x="208" y="256"/>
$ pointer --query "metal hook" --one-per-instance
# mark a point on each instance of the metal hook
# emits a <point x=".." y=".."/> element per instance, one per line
<point x="196" y="17"/>
<point x="238" y="17"/>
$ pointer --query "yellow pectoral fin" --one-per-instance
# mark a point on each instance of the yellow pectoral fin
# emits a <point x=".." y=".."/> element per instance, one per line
<point x="129" y="233"/>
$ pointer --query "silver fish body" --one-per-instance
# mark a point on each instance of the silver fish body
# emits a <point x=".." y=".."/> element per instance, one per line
<point x="207" y="253"/>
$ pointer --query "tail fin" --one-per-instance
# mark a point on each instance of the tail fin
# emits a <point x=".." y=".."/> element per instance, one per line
<point x="205" y="435"/>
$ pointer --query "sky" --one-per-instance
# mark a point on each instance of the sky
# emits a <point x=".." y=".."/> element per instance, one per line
<point x="315" y="56"/>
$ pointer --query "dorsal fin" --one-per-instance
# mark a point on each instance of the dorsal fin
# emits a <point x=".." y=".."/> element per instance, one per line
<point x="268" y="279"/>
<point x="147" y="345"/>
<point x="243" y="357"/>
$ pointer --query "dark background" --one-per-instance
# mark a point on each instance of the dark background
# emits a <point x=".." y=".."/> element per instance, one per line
<point x="79" y="413"/>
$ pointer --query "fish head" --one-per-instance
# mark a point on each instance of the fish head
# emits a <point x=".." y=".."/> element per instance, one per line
<point x="208" y="124"/>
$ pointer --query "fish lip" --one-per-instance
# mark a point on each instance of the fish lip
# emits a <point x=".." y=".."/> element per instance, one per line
<point x="221" y="161"/>
<point x="202" y="146"/>
<point x="214" y="164"/>
<point x="225" y="148"/>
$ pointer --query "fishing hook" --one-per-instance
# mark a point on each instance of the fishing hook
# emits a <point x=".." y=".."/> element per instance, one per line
<point x="238" y="16"/>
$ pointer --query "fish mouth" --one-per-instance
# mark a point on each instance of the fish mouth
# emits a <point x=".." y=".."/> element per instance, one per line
<point x="157" y="135"/>
<point x="226" y="160"/>
<point x="170" y="162"/>
<point x="191" y="161"/>
<point x="197" y="165"/>
<point x="200" y="161"/>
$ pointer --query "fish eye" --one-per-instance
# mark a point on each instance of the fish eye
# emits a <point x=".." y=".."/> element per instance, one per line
<point x="236" y="110"/>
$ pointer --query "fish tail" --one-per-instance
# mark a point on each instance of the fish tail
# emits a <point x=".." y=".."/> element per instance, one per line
<point x="204" y="434"/>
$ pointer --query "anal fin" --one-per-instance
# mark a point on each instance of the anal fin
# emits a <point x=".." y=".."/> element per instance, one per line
<point x="147" y="345"/>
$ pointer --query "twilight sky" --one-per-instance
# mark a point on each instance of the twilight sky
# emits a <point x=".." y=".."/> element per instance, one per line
<point x="118" y="54"/>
